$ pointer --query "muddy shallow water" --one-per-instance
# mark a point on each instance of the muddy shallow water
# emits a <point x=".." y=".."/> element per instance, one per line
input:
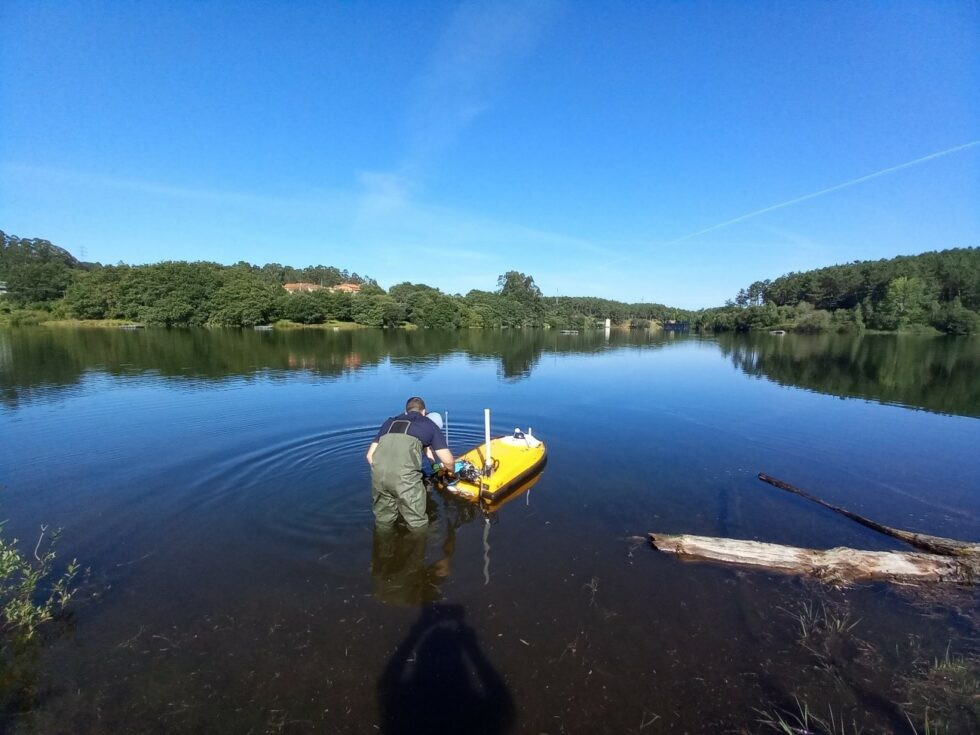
<point x="214" y="483"/>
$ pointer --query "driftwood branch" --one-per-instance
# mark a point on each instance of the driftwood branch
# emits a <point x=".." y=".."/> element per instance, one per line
<point x="840" y="565"/>
<point x="932" y="544"/>
<point x="948" y="560"/>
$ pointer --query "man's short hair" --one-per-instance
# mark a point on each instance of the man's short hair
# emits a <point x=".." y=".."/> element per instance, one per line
<point x="414" y="404"/>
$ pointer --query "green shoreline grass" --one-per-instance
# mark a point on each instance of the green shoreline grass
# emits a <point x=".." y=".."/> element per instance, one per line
<point x="32" y="318"/>
<point x="37" y="317"/>
<point x="85" y="322"/>
<point x="286" y="324"/>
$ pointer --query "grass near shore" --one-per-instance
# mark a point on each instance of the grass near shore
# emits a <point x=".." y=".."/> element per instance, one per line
<point x="86" y="322"/>
<point x="334" y="325"/>
<point x="39" y="317"/>
<point x="23" y="317"/>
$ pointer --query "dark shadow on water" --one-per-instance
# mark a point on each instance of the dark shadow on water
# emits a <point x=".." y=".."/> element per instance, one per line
<point x="439" y="681"/>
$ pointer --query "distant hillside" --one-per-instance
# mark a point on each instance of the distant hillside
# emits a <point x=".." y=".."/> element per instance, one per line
<point x="922" y="293"/>
<point x="34" y="270"/>
<point x="938" y="289"/>
<point x="16" y="251"/>
<point x="37" y="274"/>
<point x="44" y="281"/>
<point x="946" y="275"/>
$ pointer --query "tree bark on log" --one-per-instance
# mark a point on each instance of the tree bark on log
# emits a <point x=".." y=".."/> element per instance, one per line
<point x="932" y="544"/>
<point x="840" y="565"/>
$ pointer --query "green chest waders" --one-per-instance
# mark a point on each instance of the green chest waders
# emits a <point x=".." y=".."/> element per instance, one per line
<point x="396" y="481"/>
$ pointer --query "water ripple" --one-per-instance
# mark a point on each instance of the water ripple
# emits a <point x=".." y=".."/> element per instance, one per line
<point x="303" y="491"/>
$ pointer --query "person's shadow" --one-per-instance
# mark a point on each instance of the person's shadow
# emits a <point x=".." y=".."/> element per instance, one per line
<point x="438" y="681"/>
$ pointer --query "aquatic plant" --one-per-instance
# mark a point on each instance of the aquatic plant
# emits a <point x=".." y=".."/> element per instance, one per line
<point x="817" y="617"/>
<point x="31" y="593"/>
<point x="933" y="694"/>
<point x="944" y="694"/>
<point x="804" y="722"/>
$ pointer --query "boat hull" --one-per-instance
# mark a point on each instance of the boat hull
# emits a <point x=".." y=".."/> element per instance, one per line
<point x="515" y="463"/>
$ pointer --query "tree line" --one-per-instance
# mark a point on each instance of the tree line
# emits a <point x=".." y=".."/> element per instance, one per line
<point x="40" y="275"/>
<point x="935" y="290"/>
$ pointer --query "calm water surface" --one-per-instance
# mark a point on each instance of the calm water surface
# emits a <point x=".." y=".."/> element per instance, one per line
<point x="214" y="482"/>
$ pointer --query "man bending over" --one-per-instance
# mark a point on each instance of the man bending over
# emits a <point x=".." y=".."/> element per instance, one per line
<point x="395" y="457"/>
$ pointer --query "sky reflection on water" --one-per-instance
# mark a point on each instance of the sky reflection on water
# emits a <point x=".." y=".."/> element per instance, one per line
<point x="215" y="483"/>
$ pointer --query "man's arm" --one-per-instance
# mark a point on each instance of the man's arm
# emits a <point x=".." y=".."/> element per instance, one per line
<point x="370" y="452"/>
<point x="437" y="444"/>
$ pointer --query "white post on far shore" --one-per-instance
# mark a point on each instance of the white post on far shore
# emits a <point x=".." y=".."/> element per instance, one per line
<point x="486" y="433"/>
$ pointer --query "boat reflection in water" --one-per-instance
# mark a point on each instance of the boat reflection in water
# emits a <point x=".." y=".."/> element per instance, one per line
<point x="522" y="490"/>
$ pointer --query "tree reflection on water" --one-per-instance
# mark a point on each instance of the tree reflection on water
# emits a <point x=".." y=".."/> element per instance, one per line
<point x="933" y="373"/>
<point x="38" y="361"/>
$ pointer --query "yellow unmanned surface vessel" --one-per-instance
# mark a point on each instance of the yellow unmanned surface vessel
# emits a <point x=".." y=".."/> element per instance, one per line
<point x="499" y="466"/>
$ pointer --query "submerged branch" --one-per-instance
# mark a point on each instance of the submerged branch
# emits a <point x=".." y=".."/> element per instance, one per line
<point x="932" y="544"/>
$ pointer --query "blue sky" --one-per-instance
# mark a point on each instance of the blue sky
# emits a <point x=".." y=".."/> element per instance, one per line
<point x="637" y="151"/>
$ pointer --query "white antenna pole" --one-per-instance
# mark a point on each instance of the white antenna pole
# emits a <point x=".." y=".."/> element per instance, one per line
<point x="486" y="433"/>
<point x="447" y="428"/>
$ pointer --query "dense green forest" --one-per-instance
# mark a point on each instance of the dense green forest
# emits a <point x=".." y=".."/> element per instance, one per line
<point x="935" y="290"/>
<point x="931" y="291"/>
<point x="43" y="277"/>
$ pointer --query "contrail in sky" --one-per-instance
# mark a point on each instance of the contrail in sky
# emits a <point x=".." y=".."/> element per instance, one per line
<point x="815" y="194"/>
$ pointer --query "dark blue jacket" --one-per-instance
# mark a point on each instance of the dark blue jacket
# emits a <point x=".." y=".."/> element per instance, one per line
<point x="414" y="424"/>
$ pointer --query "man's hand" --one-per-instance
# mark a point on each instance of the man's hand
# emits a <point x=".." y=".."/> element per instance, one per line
<point x="370" y="453"/>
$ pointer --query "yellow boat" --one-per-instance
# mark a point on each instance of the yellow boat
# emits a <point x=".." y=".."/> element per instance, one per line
<point x="498" y="466"/>
<point x="513" y="462"/>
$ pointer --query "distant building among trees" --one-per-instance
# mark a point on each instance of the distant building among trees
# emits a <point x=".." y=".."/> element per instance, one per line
<point x="311" y="287"/>
<point x="345" y="288"/>
<point x="302" y="287"/>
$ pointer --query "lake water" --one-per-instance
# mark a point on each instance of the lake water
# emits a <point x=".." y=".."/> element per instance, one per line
<point x="214" y="482"/>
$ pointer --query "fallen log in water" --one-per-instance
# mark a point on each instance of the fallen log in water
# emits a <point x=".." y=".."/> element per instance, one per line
<point x="932" y="544"/>
<point x="948" y="560"/>
<point x="833" y="565"/>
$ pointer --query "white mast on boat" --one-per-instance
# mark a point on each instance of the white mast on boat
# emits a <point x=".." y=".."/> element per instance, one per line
<point x="488" y="464"/>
